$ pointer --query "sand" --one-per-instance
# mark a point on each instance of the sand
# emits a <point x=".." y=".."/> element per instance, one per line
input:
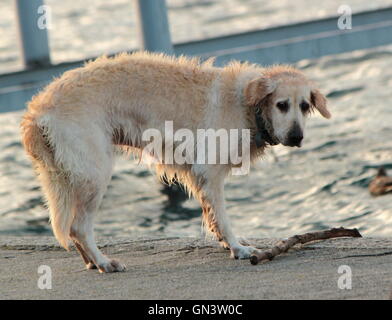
<point x="189" y="268"/>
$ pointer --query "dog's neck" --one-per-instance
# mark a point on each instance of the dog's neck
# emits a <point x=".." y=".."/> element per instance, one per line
<point x="262" y="137"/>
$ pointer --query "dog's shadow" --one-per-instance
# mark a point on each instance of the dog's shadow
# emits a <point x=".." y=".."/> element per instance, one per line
<point x="173" y="206"/>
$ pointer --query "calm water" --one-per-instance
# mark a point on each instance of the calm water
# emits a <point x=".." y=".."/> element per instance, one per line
<point x="321" y="185"/>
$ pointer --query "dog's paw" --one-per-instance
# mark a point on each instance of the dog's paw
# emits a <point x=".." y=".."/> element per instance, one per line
<point x="242" y="241"/>
<point x="91" y="266"/>
<point x="242" y="252"/>
<point x="111" y="266"/>
<point x="224" y="245"/>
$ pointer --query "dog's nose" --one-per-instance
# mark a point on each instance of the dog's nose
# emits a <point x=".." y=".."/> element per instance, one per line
<point x="295" y="136"/>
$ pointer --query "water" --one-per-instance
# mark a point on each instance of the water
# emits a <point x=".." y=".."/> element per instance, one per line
<point x="101" y="26"/>
<point x="323" y="184"/>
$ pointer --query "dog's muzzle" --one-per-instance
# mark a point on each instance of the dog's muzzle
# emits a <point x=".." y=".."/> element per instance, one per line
<point x="294" y="137"/>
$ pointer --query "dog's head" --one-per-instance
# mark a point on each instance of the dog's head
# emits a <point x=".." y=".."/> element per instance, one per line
<point x="285" y="98"/>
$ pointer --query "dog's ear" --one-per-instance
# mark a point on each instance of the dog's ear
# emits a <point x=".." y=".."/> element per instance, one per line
<point x="320" y="103"/>
<point x="257" y="90"/>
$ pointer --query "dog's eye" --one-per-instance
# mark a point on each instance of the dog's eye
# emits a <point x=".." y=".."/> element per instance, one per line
<point x="304" y="106"/>
<point x="283" y="106"/>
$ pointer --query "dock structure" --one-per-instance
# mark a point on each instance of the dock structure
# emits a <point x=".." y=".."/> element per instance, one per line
<point x="281" y="44"/>
<point x="191" y="271"/>
<point x="33" y="35"/>
<point x="153" y="26"/>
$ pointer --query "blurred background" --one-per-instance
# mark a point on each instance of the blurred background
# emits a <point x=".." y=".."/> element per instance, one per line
<point x="323" y="184"/>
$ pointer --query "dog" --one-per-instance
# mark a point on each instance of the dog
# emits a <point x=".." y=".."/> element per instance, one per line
<point x="73" y="127"/>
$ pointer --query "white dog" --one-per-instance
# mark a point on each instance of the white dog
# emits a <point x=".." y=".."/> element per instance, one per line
<point x="72" y="128"/>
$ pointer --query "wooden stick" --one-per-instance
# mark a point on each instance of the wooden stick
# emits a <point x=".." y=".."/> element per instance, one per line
<point x="284" y="245"/>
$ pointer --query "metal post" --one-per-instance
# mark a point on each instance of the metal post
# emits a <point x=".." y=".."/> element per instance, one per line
<point x="33" y="38"/>
<point x="153" y="26"/>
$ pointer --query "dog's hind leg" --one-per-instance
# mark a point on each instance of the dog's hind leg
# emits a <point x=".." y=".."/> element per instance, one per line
<point x="87" y="260"/>
<point x="73" y="158"/>
<point x="82" y="231"/>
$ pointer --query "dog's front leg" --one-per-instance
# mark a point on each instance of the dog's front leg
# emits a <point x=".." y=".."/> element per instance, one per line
<point x="214" y="215"/>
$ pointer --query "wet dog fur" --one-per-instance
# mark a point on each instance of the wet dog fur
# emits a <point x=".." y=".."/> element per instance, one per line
<point x="74" y="126"/>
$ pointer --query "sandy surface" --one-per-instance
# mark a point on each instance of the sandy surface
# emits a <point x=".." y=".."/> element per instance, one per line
<point x="189" y="268"/>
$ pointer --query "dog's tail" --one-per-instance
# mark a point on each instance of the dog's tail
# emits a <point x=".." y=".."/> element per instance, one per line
<point x="55" y="182"/>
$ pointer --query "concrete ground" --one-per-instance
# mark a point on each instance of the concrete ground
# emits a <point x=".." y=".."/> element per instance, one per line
<point x="187" y="268"/>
